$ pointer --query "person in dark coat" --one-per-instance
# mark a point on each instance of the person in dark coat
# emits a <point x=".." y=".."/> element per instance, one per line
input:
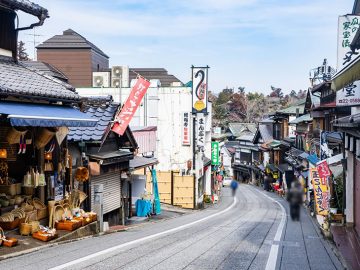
<point x="295" y="198"/>
<point x="267" y="182"/>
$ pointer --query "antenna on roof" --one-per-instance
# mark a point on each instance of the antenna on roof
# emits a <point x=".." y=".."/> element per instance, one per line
<point x="34" y="35"/>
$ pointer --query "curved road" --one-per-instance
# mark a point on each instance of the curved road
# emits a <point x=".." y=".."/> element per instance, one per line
<point x="251" y="231"/>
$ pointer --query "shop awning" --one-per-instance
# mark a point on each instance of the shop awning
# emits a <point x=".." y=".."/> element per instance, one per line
<point x="44" y="115"/>
<point x="347" y="75"/>
<point x="272" y="167"/>
<point x="284" y="167"/>
<point x="141" y="162"/>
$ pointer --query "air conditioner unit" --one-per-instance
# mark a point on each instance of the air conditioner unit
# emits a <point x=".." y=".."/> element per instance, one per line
<point x="101" y="79"/>
<point x="116" y="82"/>
<point x="116" y="72"/>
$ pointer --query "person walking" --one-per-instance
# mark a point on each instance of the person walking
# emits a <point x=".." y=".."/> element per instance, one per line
<point x="295" y="198"/>
<point x="234" y="185"/>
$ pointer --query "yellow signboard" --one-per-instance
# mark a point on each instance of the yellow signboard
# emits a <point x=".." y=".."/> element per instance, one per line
<point x="321" y="193"/>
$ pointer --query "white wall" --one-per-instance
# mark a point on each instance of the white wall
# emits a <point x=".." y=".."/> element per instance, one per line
<point x="226" y="161"/>
<point x="349" y="211"/>
<point x="163" y="107"/>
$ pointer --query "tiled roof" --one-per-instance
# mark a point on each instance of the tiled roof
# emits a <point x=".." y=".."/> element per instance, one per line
<point x="303" y="118"/>
<point x="102" y="109"/>
<point x="68" y="40"/>
<point x="238" y="129"/>
<point x="292" y="109"/>
<point x="154" y="74"/>
<point x="46" y="68"/>
<point x="27" y="7"/>
<point x="18" y="80"/>
<point x="266" y="132"/>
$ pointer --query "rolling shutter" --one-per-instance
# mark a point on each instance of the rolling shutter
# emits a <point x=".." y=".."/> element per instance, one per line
<point x="112" y="190"/>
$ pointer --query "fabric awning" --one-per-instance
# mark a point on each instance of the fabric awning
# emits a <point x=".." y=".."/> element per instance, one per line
<point x="347" y="75"/>
<point x="45" y="115"/>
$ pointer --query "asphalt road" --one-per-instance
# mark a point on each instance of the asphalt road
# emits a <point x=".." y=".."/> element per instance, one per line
<point x="252" y="231"/>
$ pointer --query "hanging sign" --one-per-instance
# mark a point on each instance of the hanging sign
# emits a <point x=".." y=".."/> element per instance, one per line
<point x="123" y="118"/>
<point x="321" y="193"/>
<point x="185" y="128"/>
<point x="215" y="150"/>
<point x="323" y="169"/>
<point x="199" y="89"/>
<point x="200" y="130"/>
<point x="347" y="28"/>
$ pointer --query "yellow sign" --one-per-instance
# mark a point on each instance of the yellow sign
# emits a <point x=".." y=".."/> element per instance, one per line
<point x="321" y="193"/>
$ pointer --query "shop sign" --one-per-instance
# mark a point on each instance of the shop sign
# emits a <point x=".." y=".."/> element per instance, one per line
<point x="323" y="169"/>
<point x="215" y="150"/>
<point x="123" y="118"/>
<point x="199" y="89"/>
<point x="321" y="192"/>
<point x="200" y="130"/>
<point x="348" y="26"/>
<point x="185" y="128"/>
<point x="349" y="95"/>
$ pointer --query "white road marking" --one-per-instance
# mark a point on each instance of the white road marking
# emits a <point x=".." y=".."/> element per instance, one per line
<point x="274" y="251"/>
<point x="108" y="250"/>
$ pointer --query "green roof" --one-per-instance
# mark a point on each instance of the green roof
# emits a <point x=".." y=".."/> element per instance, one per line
<point x="292" y="109"/>
<point x="304" y="118"/>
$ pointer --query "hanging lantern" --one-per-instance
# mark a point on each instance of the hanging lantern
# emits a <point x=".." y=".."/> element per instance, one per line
<point x="3" y="153"/>
<point x="48" y="156"/>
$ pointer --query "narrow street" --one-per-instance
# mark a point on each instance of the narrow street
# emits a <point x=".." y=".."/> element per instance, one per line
<point x="235" y="234"/>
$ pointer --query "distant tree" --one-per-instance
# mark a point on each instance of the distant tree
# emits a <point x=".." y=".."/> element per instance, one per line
<point x="241" y="89"/>
<point x="276" y="92"/>
<point x="293" y="93"/>
<point x="225" y="95"/>
<point x="212" y="97"/>
<point x="301" y="94"/>
<point x="21" y="52"/>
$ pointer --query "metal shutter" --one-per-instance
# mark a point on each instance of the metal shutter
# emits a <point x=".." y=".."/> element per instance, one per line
<point x="112" y="190"/>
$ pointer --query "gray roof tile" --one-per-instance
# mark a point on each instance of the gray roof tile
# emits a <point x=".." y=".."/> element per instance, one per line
<point x="102" y="109"/>
<point x="17" y="79"/>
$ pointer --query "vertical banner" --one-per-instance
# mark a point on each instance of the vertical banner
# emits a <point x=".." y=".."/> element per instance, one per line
<point x="185" y="129"/>
<point x="347" y="28"/>
<point x="215" y="151"/>
<point x="323" y="169"/>
<point x="199" y="89"/>
<point x="200" y="130"/>
<point x="321" y="193"/>
<point x="123" y="118"/>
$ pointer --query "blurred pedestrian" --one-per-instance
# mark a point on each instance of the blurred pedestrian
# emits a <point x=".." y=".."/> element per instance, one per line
<point x="295" y="198"/>
<point x="234" y="185"/>
<point x="267" y="182"/>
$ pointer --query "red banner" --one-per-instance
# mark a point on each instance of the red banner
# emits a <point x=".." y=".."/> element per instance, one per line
<point x="123" y="118"/>
<point x="323" y="169"/>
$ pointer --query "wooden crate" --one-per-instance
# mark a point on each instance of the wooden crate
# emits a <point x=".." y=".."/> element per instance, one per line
<point x="45" y="237"/>
<point x="68" y="225"/>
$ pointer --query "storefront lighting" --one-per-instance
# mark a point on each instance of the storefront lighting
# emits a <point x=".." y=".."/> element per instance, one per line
<point x="3" y="153"/>
<point x="48" y="156"/>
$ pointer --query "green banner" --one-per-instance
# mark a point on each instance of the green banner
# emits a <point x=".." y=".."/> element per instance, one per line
<point x="215" y="153"/>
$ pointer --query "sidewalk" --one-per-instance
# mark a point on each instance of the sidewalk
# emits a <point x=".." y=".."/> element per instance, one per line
<point x="303" y="244"/>
<point x="348" y="243"/>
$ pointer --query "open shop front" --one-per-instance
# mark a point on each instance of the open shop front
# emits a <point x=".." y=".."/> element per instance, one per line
<point x="36" y="191"/>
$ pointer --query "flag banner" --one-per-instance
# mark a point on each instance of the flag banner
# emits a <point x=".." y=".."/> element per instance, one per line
<point x="215" y="153"/>
<point x="123" y="118"/>
<point x="323" y="169"/>
<point x="321" y="193"/>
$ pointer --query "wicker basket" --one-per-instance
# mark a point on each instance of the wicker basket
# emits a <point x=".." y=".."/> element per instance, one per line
<point x="42" y="210"/>
<point x="2" y="235"/>
<point x="25" y="228"/>
<point x="44" y="137"/>
<point x="14" y="135"/>
<point x="35" y="226"/>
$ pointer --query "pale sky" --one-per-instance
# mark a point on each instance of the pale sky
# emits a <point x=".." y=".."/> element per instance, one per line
<point x="251" y="43"/>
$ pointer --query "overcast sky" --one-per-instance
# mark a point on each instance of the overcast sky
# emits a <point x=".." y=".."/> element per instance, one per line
<point x="251" y="43"/>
